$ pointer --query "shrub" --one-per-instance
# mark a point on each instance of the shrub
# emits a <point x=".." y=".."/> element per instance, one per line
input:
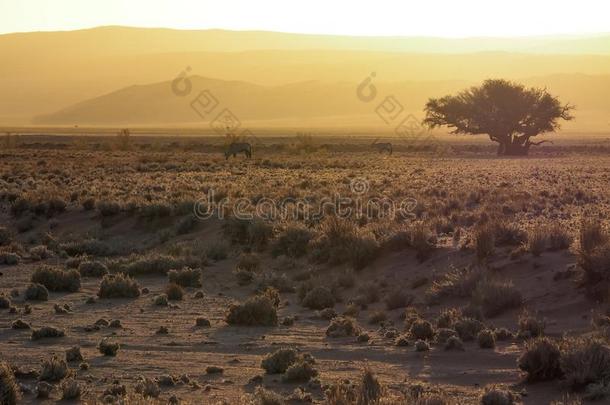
<point x="259" y="234"/>
<point x="530" y="326"/>
<point x="91" y="247"/>
<point x="47" y="332"/>
<point x="468" y="328"/>
<point x="186" y="277"/>
<point x="454" y="343"/>
<point x="279" y="361"/>
<point x="422" y="240"/>
<point x="496" y="297"/>
<point x="537" y="239"/>
<point x="5" y="302"/>
<point x="341" y="241"/>
<point x="458" y="283"/>
<point x="398" y="299"/>
<point x="421" y="329"/>
<point x="301" y="371"/>
<point x="70" y="389"/>
<point x="5" y="236"/>
<point x="73" y="354"/>
<point x="422" y="346"/>
<point x="20" y="324"/>
<point x="540" y="360"/>
<point x="591" y="235"/>
<point x="484" y="242"/>
<point x="54" y="369"/>
<point x="118" y="286"/>
<point x="108" y="348"/>
<point x="148" y="388"/>
<point x="293" y="242"/>
<point x="153" y="264"/>
<point x="263" y="396"/>
<point x="370" y="390"/>
<point x="40" y="252"/>
<point x="10" y="393"/>
<point x="88" y="204"/>
<point x="486" y="339"/>
<point x="596" y="265"/>
<point x="342" y="326"/>
<point x="108" y="208"/>
<point x="174" y="292"/>
<point x="319" y="298"/>
<point x="401" y="341"/>
<point x="443" y="334"/>
<point x="161" y="300"/>
<point x="55" y="279"/>
<point x="92" y="269"/>
<point x="497" y="396"/>
<point x="585" y="361"/>
<point x="558" y="237"/>
<point x="256" y="311"/>
<point x="36" y="292"/>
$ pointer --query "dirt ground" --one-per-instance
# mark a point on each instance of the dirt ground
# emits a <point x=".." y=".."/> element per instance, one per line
<point x="189" y="349"/>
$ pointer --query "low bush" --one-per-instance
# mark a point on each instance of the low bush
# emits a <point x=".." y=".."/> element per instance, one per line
<point x="186" y="277"/>
<point x="585" y="361"/>
<point x="54" y="369"/>
<point x="540" y="360"/>
<point x="496" y="297"/>
<point x="279" y="361"/>
<point x="301" y="371"/>
<point x="342" y="326"/>
<point x="36" y="292"/>
<point x="47" y="332"/>
<point x="10" y="393"/>
<point x="256" y="311"/>
<point x="92" y="269"/>
<point x="118" y="286"/>
<point x="319" y="298"/>
<point x="70" y="389"/>
<point x="454" y="343"/>
<point x="421" y="329"/>
<point x="292" y="242"/>
<point x="486" y="339"/>
<point x="398" y="299"/>
<point x="174" y="292"/>
<point x="56" y="279"/>
<point x="108" y="348"/>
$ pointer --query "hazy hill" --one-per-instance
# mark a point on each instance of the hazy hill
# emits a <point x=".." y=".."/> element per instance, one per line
<point x="305" y="103"/>
<point x="43" y="73"/>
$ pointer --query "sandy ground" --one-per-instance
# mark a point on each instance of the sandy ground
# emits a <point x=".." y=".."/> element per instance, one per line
<point x="188" y="349"/>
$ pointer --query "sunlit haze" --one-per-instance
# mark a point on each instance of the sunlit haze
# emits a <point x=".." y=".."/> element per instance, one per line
<point x="445" y="18"/>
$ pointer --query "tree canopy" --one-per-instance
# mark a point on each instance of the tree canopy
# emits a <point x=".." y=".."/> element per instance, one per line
<point x="508" y="112"/>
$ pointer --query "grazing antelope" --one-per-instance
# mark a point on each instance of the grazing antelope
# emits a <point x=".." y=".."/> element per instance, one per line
<point x="238" y="147"/>
<point x="382" y="146"/>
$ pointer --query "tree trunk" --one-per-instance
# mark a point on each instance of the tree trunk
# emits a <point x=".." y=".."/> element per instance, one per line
<point x="513" y="146"/>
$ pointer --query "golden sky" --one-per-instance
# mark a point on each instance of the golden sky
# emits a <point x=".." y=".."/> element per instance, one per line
<point x="445" y="18"/>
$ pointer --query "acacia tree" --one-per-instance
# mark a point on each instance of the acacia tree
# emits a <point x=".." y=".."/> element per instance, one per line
<point x="508" y="112"/>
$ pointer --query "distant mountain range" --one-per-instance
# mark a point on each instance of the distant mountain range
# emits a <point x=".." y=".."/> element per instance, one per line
<point x="118" y="75"/>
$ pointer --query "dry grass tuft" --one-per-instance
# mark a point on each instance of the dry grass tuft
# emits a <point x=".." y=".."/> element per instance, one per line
<point x="256" y="311"/>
